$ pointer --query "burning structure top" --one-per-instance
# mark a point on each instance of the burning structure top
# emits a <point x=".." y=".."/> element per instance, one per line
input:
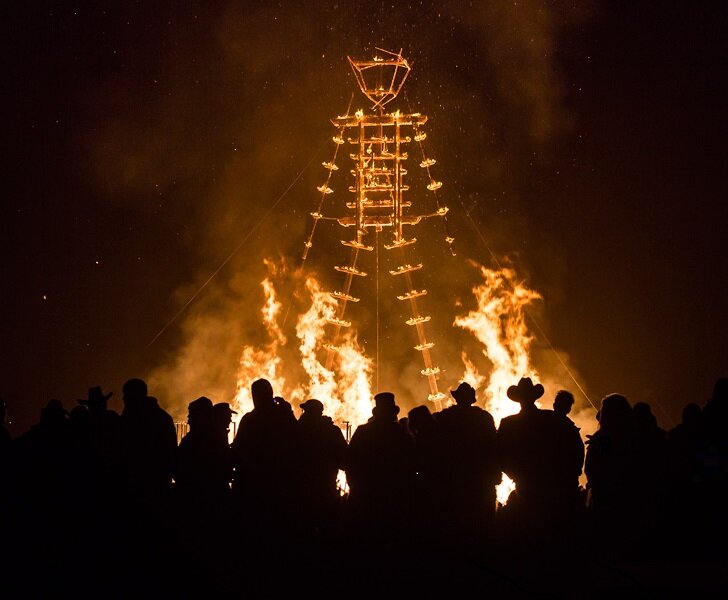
<point x="381" y="79"/>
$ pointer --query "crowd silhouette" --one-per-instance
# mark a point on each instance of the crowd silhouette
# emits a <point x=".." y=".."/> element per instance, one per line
<point x="105" y="504"/>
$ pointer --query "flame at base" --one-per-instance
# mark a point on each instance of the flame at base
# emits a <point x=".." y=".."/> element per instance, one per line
<point x="346" y="393"/>
<point x="497" y="322"/>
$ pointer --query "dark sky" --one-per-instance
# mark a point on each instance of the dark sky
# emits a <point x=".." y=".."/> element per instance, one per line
<point x="144" y="139"/>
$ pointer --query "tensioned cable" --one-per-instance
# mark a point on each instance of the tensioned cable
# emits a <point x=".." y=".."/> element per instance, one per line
<point x="236" y="249"/>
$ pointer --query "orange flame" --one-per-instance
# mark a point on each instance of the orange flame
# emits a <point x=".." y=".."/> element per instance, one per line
<point x="347" y="397"/>
<point x="262" y="362"/>
<point x="499" y="324"/>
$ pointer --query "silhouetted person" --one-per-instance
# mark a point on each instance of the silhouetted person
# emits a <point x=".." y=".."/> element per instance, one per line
<point x="105" y="423"/>
<point x="44" y="468"/>
<point x="543" y="453"/>
<point x="148" y="446"/>
<point x="195" y="480"/>
<point x="222" y="416"/>
<point x="322" y="453"/>
<point x="651" y="454"/>
<point x="45" y="499"/>
<point x="685" y="452"/>
<point x="265" y="454"/>
<point x="431" y="477"/>
<point x="612" y="470"/>
<point x="713" y="469"/>
<point x="685" y="439"/>
<point x="51" y="431"/>
<point x="104" y="442"/>
<point x="380" y="471"/>
<point x="563" y="401"/>
<point x="469" y="437"/>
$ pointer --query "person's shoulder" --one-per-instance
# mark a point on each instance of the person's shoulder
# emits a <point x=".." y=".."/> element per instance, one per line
<point x="164" y="417"/>
<point x="481" y="413"/>
<point x="110" y="415"/>
<point x="247" y="418"/>
<point x="364" y="430"/>
<point x="450" y="415"/>
<point x="510" y="420"/>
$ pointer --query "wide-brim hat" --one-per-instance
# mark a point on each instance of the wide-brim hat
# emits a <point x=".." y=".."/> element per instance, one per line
<point x="525" y="391"/>
<point x="384" y="402"/>
<point x="95" y="396"/>
<point x="464" y="392"/>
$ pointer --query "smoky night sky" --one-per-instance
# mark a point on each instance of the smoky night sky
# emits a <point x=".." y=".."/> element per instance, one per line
<point x="144" y="140"/>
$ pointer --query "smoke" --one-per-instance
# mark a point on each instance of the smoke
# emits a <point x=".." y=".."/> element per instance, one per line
<point x="211" y="120"/>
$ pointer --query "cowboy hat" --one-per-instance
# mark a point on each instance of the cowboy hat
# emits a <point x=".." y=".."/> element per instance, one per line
<point x="464" y="393"/>
<point x="95" y="396"/>
<point x="525" y="391"/>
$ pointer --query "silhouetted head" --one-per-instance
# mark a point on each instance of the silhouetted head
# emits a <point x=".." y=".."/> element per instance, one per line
<point x="563" y="401"/>
<point x="716" y="410"/>
<point x="525" y="393"/>
<point x="313" y="407"/>
<point x="691" y="415"/>
<point x="222" y="416"/>
<point x="283" y="406"/>
<point x="615" y="414"/>
<point x="420" y="419"/>
<point x="262" y="392"/>
<point x="464" y="394"/>
<point x="384" y="407"/>
<point x="223" y="410"/>
<point x="53" y="413"/>
<point x="135" y="392"/>
<point x="199" y="413"/>
<point x="642" y="416"/>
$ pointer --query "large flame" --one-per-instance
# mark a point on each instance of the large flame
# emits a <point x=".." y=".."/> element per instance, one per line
<point x="499" y="323"/>
<point x="347" y="396"/>
<point x="262" y="362"/>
